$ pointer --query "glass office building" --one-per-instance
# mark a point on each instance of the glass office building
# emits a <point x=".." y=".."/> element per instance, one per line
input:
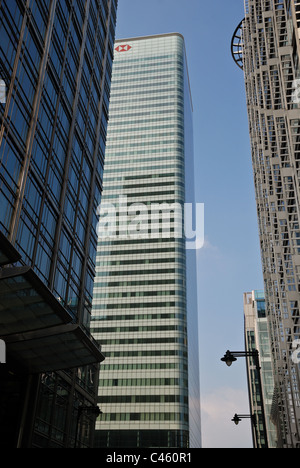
<point x="145" y="300"/>
<point x="257" y="337"/>
<point x="266" y="45"/>
<point x="55" y="68"/>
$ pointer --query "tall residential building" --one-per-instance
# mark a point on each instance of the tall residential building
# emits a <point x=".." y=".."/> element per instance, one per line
<point x="145" y="296"/>
<point x="257" y="337"/>
<point x="55" y="68"/>
<point x="266" y="45"/>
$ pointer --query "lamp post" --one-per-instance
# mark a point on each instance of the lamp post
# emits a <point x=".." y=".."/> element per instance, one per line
<point x="237" y="418"/>
<point x="229" y="358"/>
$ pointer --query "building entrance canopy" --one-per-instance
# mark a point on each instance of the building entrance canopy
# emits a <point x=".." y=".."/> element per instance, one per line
<point x="40" y="334"/>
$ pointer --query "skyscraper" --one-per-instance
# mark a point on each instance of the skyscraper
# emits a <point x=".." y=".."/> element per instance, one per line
<point x="266" y="45"/>
<point x="55" y="68"/>
<point x="145" y="296"/>
<point x="257" y="337"/>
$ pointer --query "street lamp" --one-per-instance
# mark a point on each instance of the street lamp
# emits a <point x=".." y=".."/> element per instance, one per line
<point x="237" y="418"/>
<point x="230" y="357"/>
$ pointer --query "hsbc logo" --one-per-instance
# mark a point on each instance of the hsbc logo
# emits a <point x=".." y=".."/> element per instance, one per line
<point x="123" y="48"/>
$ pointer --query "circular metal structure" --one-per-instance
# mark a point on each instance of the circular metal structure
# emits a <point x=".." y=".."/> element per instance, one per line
<point x="237" y="45"/>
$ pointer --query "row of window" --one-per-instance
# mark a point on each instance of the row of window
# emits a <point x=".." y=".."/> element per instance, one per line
<point x="164" y="59"/>
<point x="139" y="329"/>
<point x="148" y="69"/>
<point x="158" y="316"/>
<point x="147" y="261"/>
<point x="154" y="75"/>
<point x="106" y="417"/>
<point x="149" y="251"/>
<point x="130" y="132"/>
<point x="169" y="85"/>
<point x="165" y="97"/>
<point x="162" y="271"/>
<point x="139" y="305"/>
<point x="115" y="399"/>
<point x="147" y="109"/>
<point x="136" y="63"/>
<point x="151" y="136"/>
<point x="134" y="183"/>
<point x="157" y="242"/>
<point x="147" y="113"/>
<point x="140" y="144"/>
<point x="139" y="231"/>
<point x="179" y="166"/>
<point x="126" y="294"/>
<point x="158" y="381"/>
<point x="152" y="184"/>
<point x="176" y="155"/>
<point x="140" y="366"/>
<point x="138" y="194"/>
<point x="176" y="119"/>
<point x="143" y="341"/>
<point x="114" y="284"/>
<point x="148" y="353"/>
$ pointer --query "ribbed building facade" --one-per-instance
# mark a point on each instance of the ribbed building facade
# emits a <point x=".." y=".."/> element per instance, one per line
<point x="266" y="45"/>
<point x="55" y="68"/>
<point x="143" y="302"/>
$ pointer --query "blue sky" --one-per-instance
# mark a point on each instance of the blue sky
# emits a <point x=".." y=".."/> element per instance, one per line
<point x="229" y="263"/>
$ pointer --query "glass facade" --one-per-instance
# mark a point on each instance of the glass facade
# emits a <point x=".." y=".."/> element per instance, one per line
<point x="150" y="378"/>
<point x="257" y="337"/>
<point x="55" y="62"/>
<point x="269" y="53"/>
<point x="52" y="138"/>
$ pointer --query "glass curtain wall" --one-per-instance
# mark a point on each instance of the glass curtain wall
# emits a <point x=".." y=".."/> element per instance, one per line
<point x="140" y="302"/>
<point x="55" y="68"/>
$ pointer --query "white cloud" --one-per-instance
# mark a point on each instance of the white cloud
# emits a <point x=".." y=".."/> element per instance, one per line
<point x="218" y="408"/>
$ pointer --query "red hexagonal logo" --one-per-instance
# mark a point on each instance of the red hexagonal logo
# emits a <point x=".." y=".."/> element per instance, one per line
<point x="123" y="48"/>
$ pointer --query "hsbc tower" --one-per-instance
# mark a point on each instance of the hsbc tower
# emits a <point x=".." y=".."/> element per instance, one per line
<point x="145" y="311"/>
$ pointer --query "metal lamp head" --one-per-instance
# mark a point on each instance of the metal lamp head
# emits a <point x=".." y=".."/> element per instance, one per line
<point x="228" y="358"/>
<point x="236" y="419"/>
